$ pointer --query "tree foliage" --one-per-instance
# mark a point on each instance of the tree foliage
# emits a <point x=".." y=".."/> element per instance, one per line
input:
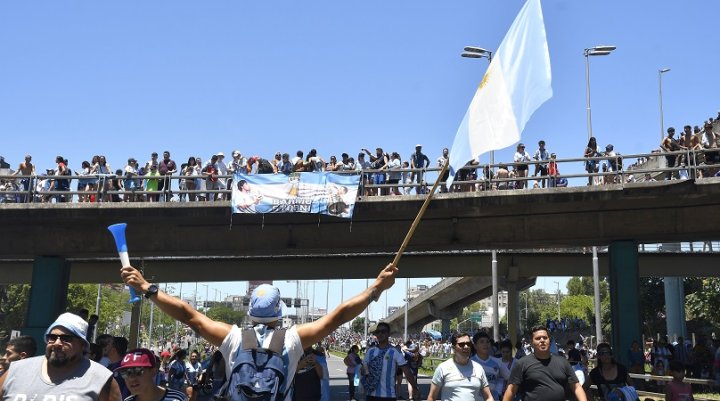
<point x="358" y="325"/>
<point x="703" y="302"/>
<point x="224" y="313"/>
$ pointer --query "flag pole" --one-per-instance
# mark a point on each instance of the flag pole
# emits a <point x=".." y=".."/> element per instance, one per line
<point x="419" y="216"/>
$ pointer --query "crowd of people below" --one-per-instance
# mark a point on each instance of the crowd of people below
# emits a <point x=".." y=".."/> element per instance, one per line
<point x="383" y="173"/>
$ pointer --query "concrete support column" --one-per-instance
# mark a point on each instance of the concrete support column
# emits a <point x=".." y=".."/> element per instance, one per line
<point x="445" y="326"/>
<point x="513" y="311"/>
<point x="48" y="296"/>
<point x="624" y="298"/>
<point x="135" y="326"/>
<point x="675" y="307"/>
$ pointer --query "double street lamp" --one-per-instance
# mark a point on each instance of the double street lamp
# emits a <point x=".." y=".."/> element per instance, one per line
<point x="479" y="52"/>
<point x="592" y="51"/>
<point x="602" y="50"/>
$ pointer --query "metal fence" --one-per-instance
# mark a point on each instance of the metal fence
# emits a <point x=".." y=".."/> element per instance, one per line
<point x="596" y="171"/>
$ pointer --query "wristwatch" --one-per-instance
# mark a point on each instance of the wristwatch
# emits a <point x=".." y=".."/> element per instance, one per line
<point x="152" y="290"/>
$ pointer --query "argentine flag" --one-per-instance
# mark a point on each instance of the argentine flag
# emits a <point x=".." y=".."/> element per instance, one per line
<point x="516" y="83"/>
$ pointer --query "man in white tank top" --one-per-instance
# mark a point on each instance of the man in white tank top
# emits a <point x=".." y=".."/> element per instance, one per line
<point x="63" y="372"/>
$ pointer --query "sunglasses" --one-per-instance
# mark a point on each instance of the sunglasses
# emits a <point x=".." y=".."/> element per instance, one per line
<point x="604" y="353"/>
<point x="132" y="372"/>
<point x="66" y="338"/>
<point x="466" y="344"/>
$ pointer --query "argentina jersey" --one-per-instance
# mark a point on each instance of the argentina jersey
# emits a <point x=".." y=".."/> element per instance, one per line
<point x="391" y="359"/>
<point x="496" y="373"/>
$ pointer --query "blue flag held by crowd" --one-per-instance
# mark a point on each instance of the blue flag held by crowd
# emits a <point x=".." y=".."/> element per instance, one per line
<point x="321" y="193"/>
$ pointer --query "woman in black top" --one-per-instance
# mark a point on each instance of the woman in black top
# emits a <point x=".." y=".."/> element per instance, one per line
<point x="608" y="374"/>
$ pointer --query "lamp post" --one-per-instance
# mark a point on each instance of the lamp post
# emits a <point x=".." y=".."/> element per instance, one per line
<point x="662" y="122"/>
<point x="479" y="52"/>
<point x="206" y="298"/>
<point x="592" y="51"/>
<point x="558" y="297"/>
<point x="602" y="50"/>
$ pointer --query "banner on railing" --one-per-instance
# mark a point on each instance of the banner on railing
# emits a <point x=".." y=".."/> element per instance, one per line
<point x="325" y="193"/>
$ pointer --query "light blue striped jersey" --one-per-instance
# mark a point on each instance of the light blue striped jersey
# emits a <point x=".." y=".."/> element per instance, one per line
<point x="496" y="372"/>
<point x="392" y="359"/>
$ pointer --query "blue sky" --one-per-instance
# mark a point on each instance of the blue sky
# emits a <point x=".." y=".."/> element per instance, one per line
<point x="128" y="78"/>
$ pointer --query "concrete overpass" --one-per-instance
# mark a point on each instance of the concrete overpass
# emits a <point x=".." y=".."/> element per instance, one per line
<point x="60" y="238"/>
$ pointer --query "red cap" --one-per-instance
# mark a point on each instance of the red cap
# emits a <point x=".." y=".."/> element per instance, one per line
<point x="138" y="358"/>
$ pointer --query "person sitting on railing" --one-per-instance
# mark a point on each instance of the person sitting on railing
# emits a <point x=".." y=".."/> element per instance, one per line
<point x="709" y="140"/>
<point x="166" y="168"/>
<point x="669" y="144"/>
<point x="285" y="167"/>
<point x="441" y="161"/>
<point x="503" y="174"/>
<point x="314" y="162"/>
<point x="130" y="182"/>
<point x="421" y="161"/>
<point x="591" y="166"/>
<point x="191" y="171"/>
<point x="26" y="168"/>
<point x="467" y="173"/>
<point x="152" y="183"/>
<point x="378" y="162"/>
<point x="360" y="165"/>
<point x="394" y="173"/>
<point x="614" y="164"/>
<point x="521" y="170"/>
<point x="62" y="181"/>
<point x="210" y="172"/>
<point x="541" y="155"/>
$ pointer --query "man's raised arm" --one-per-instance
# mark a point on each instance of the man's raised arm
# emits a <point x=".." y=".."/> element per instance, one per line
<point x="314" y="332"/>
<point x="209" y="329"/>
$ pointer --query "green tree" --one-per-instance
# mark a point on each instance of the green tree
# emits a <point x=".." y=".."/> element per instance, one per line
<point x="224" y="313"/>
<point x="13" y="307"/>
<point x="358" y="325"/>
<point x="703" y="303"/>
<point x="580" y="306"/>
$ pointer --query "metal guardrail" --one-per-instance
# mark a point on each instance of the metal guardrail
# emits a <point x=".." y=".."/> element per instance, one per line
<point x="111" y="188"/>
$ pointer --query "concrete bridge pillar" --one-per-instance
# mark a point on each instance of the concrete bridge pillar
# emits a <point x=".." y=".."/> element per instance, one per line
<point x="513" y="312"/>
<point x="675" y="307"/>
<point x="624" y="298"/>
<point x="445" y="326"/>
<point x="48" y="296"/>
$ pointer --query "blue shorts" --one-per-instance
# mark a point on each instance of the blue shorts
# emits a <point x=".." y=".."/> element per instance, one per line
<point x="378" y="178"/>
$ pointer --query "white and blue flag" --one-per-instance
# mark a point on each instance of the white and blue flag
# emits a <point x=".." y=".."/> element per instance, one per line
<point x="517" y="82"/>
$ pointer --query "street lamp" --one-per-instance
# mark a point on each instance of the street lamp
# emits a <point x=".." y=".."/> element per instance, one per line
<point x="603" y="50"/>
<point x="558" y="297"/>
<point x="592" y="51"/>
<point x="662" y="123"/>
<point x="479" y="52"/>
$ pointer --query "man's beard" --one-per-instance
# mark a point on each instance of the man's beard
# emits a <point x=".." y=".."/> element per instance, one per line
<point x="59" y="359"/>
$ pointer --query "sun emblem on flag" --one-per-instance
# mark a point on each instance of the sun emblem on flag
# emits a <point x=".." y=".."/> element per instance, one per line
<point x="484" y="80"/>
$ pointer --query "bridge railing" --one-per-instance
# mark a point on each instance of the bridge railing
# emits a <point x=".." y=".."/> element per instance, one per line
<point x="601" y="170"/>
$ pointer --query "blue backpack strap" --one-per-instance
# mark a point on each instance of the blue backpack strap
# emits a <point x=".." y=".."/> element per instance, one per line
<point x="249" y="339"/>
<point x="277" y="342"/>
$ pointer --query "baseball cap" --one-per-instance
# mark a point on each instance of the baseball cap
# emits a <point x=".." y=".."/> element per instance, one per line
<point x="72" y="323"/>
<point x="138" y="358"/>
<point x="220" y="154"/>
<point x="418" y="146"/>
<point x="265" y="304"/>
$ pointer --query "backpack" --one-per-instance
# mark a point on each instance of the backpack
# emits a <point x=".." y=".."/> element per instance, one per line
<point x="264" y="167"/>
<point x="258" y="373"/>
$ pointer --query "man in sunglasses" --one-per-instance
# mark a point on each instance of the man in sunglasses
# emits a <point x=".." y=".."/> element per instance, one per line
<point x="460" y="377"/>
<point x="63" y="372"/>
<point x="379" y="367"/>
<point x="139" y="369"/>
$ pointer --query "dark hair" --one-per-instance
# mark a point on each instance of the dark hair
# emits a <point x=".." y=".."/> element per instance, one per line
<point x="479" y="335"/>
<point x="354" y="347"/>
<point x="241" y="183"/>
<point x="120" y="344"/>
<point x="24" y="344"/>
<point x="609" y="348"/>
<point x="455" y="337"/>
<point x="96" y="352"/>
<point x="538" y="328"/>
<point x="383" y="324"/>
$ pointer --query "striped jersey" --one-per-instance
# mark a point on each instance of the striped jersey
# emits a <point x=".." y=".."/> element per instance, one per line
<point x="391" y="360"/>
<point x="496" y="372"/>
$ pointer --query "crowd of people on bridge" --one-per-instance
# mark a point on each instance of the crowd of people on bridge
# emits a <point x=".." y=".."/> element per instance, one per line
<point x="383" y="172"/>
